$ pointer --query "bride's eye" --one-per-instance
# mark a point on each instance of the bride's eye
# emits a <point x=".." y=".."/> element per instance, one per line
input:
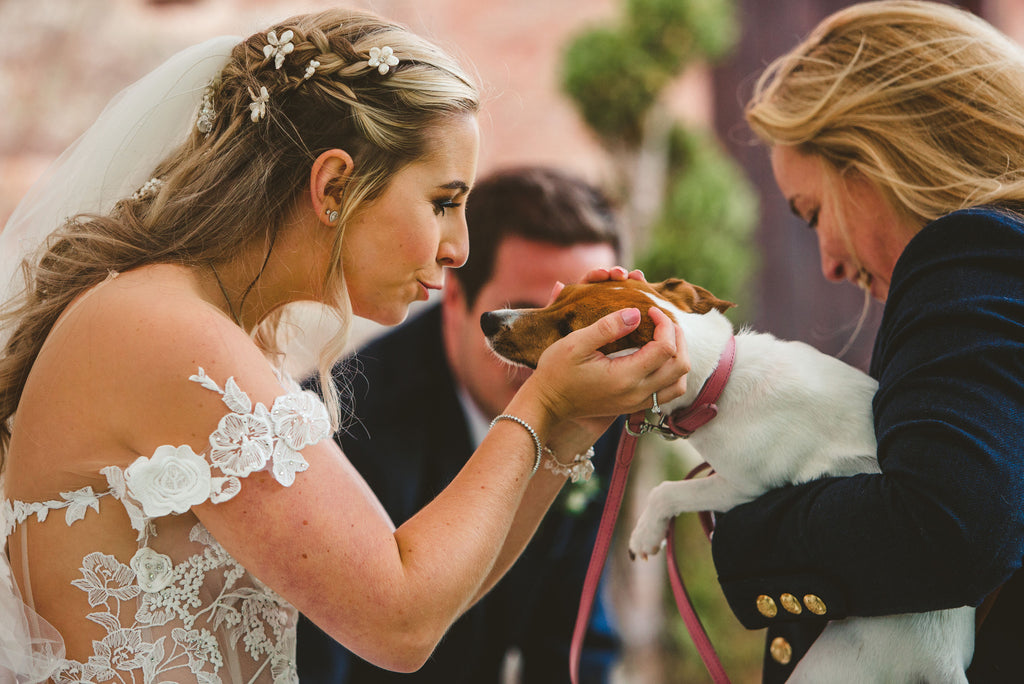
<point x="440" y="206"/>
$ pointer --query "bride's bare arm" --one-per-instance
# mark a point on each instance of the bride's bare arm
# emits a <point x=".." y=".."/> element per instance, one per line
<point x="569" y="438"/>
<point x="324" y="543"/>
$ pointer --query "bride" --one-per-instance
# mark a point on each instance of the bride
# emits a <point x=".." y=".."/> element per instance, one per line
<point x="171" y="498"/>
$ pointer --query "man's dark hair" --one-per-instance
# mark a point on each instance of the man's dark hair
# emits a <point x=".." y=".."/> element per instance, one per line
<point x="534" y="203"/>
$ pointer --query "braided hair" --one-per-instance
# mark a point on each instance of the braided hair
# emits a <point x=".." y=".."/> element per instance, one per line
<point x="308" y="84"/>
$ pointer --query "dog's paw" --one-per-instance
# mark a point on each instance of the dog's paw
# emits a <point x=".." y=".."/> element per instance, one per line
<point x="649" y="535"/>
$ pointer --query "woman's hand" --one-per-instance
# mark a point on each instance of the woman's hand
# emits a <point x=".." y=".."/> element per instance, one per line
<point x="598" y="275"/>
<point x="602" y="273"/>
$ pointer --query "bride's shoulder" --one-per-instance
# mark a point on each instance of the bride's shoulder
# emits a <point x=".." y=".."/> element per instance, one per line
<point x="149" y="318"/>
<point x="159" y="294"/>
<point x="138" y="340"/>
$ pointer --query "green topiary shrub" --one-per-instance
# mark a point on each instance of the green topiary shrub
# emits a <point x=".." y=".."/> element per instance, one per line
<point x="614" y="75"/>
<point x="705" y="230"/>
<point x="612" y="83"/>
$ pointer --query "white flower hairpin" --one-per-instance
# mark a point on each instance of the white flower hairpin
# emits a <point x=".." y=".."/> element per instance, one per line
<point x="310" y="70"/>
<point x="278" y="48"/>
<point x="258" y="108"/>
<point x="383" y="58"/>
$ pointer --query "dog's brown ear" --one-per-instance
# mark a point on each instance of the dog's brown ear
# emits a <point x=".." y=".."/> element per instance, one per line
<point x="709" y="301"/>
<point x="690" y="297"/>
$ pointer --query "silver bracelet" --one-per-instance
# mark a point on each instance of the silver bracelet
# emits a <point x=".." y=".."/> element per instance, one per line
<point x="579" y="469"/>
<point x="533" y="433"/>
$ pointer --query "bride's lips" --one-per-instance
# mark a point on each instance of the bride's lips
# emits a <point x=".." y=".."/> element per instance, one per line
<point x="426" y="287"/>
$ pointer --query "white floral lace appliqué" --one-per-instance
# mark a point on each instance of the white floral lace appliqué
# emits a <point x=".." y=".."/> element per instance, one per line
<point x="248" y="437"/>
<point x="75" y="504"/>
<point x="241" y="611"/>
<point x="174" y="479"/>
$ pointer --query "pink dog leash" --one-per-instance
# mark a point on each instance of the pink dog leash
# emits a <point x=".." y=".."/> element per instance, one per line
<point x="689" y="614"/>
<point x="681" y="423"/>
<point x="623" y="459"/>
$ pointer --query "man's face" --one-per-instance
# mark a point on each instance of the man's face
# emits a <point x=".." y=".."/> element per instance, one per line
<point x="524" y="274"/>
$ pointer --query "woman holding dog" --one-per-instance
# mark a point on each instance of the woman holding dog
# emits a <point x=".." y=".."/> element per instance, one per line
<point x="171" y="497"/>
<point x="896" y="132"/>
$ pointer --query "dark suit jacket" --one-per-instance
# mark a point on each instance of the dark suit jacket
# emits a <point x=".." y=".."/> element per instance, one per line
<point x="410" y="442"/>
<point x="943" y="525"/>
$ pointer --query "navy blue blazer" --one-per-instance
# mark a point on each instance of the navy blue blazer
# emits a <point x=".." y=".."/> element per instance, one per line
<point x="942" y="526"/>
<point x="410" y="441"/>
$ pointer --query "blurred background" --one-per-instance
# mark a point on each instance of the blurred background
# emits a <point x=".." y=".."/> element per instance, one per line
<point x="642" y="97"/>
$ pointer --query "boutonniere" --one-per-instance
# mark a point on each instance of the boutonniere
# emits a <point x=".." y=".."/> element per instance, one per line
<point x="576" y="496"/>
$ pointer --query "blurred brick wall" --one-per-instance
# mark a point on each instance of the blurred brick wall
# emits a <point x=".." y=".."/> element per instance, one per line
<point x="61" y="61"/>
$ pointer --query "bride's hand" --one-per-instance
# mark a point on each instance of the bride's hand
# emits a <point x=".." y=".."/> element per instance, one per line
<point x="574" y="380"/>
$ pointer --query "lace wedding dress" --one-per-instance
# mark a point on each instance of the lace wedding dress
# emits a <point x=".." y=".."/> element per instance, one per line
<point x="180" y="609"/>
<point x="151" y="595"/>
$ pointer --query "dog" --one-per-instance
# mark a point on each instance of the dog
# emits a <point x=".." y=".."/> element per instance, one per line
<point x="788" y="414"/>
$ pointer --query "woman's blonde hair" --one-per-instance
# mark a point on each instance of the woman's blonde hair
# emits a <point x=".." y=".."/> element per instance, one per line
<point x="232" y="184"/>
<point x="924" y="100"/>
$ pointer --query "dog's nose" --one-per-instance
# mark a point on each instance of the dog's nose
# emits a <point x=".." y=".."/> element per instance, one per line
<point x="490" y="323"/>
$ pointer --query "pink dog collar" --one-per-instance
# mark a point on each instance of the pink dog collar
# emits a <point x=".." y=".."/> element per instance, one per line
<point x="683" y="422"/>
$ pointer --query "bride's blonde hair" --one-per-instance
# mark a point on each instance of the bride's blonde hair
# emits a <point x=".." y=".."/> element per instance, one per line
<point x="924" y="100"/>
<point x="242" y="172"/>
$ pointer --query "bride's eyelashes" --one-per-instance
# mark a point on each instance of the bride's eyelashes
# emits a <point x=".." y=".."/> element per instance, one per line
<point x="442" y="205"/>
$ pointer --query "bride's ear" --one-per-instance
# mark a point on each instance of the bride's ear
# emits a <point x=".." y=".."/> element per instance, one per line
<point x="328" y="175"/>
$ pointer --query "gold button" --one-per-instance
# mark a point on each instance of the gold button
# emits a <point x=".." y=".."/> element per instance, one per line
<point x="791" y="604"/>
<point x="814" y="604"/>
<point x="766" y="606"/>
<point x="781" y="651"/>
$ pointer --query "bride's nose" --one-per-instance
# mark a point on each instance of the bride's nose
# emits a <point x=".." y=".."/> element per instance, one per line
<point x="454" y="248"/>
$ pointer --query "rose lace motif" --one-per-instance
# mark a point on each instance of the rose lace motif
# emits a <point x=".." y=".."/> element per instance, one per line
<point x="186" y="612"/>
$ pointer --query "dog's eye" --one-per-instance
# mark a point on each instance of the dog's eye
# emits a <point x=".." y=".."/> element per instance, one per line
<point x="564" y="327"/>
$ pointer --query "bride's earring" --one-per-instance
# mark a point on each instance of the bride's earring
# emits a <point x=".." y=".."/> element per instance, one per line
<point x="332" y="214"/>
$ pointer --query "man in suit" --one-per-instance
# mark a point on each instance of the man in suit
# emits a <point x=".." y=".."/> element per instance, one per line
<point x="424" y="395"/>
